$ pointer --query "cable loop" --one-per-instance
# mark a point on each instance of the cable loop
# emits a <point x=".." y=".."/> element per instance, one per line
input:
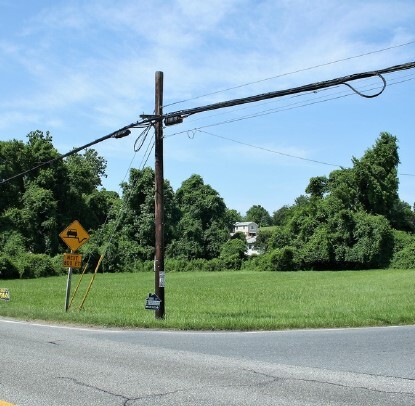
<point x="142" y="137"/>
<point x="369" y="96"/>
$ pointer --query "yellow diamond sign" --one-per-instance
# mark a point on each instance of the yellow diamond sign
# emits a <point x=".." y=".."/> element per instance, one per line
<point x="74" y="235"/>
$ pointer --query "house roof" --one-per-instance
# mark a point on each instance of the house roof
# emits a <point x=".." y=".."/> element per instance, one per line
<point x="244" y="223"/>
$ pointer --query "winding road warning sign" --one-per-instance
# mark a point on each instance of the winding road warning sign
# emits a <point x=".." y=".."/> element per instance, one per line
<point x="74" y="235"/>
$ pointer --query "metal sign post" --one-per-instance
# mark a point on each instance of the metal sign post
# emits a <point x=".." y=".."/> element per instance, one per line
<point x="68" y="287"/>
<point x="73" y="236"/>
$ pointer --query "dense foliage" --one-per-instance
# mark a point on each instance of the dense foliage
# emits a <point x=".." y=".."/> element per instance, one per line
<point x="351" y="219"/>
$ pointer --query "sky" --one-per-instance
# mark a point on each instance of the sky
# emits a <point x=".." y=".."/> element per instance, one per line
<point x="83" y="69"/>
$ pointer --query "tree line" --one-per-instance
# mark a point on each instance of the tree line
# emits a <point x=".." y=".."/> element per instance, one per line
<point x="351" y="219"/>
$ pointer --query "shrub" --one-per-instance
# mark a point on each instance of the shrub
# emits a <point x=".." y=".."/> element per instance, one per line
<point x="374" y="242"/>
<point x="7" y="268"/>
<point x="261" y="263"/>
<point x="401" y="240"/>
<point x="36" y="266"/>
<point x="282" y="259"/>
<point x="57" y="263"/>
<point x="405" y="258"/>
<point x="233" y="253"/>
<point x="12" y="243"/>
<point x="316" y="253"/>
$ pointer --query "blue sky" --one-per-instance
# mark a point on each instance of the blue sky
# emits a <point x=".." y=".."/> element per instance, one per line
<point x="82" y="69"/>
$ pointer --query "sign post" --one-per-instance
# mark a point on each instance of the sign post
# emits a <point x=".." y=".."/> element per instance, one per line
<point x="68" y="287"/>
<point x="74" y="236"/>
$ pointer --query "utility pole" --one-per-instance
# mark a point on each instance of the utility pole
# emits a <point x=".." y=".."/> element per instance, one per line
<point x="159" y="196"/>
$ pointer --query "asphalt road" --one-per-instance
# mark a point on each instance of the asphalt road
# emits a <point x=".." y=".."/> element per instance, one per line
<point x="57" y="365"/>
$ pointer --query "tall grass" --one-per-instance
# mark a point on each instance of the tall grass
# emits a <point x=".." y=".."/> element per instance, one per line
<point x="224" y="300"/>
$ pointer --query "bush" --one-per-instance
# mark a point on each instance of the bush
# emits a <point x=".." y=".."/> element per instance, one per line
<point x="316" y="253"/>
<point x="232" y="253"/>
<point x="401" y="240"/>
<point x="12" y="243"/>
<point x="374" y="242"/>
<point x="7" y="268"/>
<point x="36" y="266"/>
<point x="405" y="258"/>
<point x="261" y="263"/>
<point x="282" y="259"/>
<point x="57" y="263"/>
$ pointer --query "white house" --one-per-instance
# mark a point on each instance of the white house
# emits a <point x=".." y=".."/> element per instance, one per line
<point x="250" y="229"/>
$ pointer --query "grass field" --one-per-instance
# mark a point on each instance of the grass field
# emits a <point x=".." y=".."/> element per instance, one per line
<point x="224" y="300"/>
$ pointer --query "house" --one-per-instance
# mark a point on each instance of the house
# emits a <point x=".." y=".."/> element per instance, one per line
<point x="252" y="249"/>
<point x="250" y="230"/>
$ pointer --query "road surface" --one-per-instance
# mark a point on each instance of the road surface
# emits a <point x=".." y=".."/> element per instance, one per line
<point x="60" y="365"/>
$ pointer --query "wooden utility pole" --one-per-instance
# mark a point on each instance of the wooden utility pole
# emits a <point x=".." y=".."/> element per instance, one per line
<point x="159" y="197"/>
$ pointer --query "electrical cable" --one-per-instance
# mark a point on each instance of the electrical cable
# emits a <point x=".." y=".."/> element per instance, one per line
<point x="141" y="137"/>
<point x="146" y="156"/>
<point x="366" y="95"/>
<point x="291" y="73"/>
<point x="262" y="103"/>
<point x="296" y="90"/>
<point x="107" y="217"/>
<point x="119" y="217"/>
<point x="122" y="132"/>
<point x="287" y="107"/>
<point x="278" y="152"/>
<point x="148" y="120"/>
<point x="269" y="150"/>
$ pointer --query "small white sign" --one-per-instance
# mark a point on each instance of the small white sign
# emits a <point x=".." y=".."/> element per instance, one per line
<point x="161" y="279"/>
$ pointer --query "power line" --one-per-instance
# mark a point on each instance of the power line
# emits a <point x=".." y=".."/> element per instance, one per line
<point x="276" y="152"/>
<point x="291" y="73"/>
<point x="287" y="107"/>
<point x="269" y="150"/>
<point x="120" y="133"/>
<point x="179" y="115"/>
<point x="301" y="89"/>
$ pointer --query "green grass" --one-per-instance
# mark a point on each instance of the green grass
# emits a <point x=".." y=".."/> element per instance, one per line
<point x="224" y="300"/>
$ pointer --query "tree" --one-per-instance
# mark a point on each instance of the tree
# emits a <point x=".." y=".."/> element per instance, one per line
<point x="204" y="222"/>
<point x="376" y="175"/>
<point x="232" y="253"/>
<point x="41" y="203"/>
<point x="280" y="216"/>
<point x="85" y="171"/>
<point x="259" y="215"/>
<point x="13" y="160"/>
<point x="133" y="219"/>
<point x="317" y="186"/>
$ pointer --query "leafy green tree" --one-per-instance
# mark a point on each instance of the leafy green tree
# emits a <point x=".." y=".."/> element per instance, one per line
<point x="282" y="259"/>
<point x="376" y="175"/>
<point x="13" y="160"/>
<point x="132" y="220"/>
<point x="280" y="216"/>
<point x="85" y="171"/>
<point x="232" y="217"/>
<point x="204" y="221"/>
<point x="40" y="220"/>
<point x="317" y="251"/>
<point x="259" y="215"/>
<point x="41" y="203"/>
<point x="232" y="253"/>
<point x="99" y="204"/>
<point x="317" y="186"/>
